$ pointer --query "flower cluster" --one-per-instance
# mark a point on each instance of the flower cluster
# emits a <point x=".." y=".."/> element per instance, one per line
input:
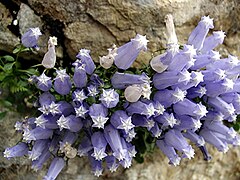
<point x="96" y="110"/>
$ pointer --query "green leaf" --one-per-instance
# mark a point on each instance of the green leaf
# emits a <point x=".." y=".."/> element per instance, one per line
<point x="2" y="76"/>
<point x="139" y="158"/>
<point x="8" y="66"/>
<point x="17" y="49"/>
<point x="3" y="114"/>
<point x="236" y="127"/>
<point x="9" y="58"/>
<point x="5" y="103"/>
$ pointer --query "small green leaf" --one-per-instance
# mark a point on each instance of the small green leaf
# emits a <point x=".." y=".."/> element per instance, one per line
<point x="8" y="66"/>
<point x="5" y="103"/>
<point x="236" y="127"/>
<point x="2" y="76"/>
<point x="3" y="114"/>
<point x="17" y="50"/>
<point x="9" y="58"/>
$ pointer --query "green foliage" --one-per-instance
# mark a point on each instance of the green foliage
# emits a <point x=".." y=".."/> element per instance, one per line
<point x="14" y="81"/>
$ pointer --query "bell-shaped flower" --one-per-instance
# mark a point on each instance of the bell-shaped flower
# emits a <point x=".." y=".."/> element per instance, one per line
<point x="199" y="34"/>
<point x="99" y="144"/>
<point x="18" y="150"/>
<point x="167" y="119"/>
<point x="142" y="108"/>
<point x="175" y="139"/>
<point x="112" y="163"/>
<point x="55" y="168"/>
<point x="37" y="149"/>
<point x="194" y="137"/>
<point x="169" y="151"/>
<point x="187" y="122"/>
<point x="114" y="140"/>
<point x="37" y="133"/>
<point x="142" y="121"/>
<point x="120" y="120"/>
<point x="213" y="41"/>
<point x="86" y="59"/>
<point x="109" y="98"/>
<point x="46" y="98"/>
<point x="97" y="168"/>
<point x="62" y="83"/>
<point x="123" y="80"/>
<point x="44" y="82"/>
<point x="187" y="107"/>
<point x="98" y="113"/>
<point x="38" y="164"/>
<point x="85" y="146"/>
<point x="49" y="58"/>
<point x="47" y="121"/>
<point x="71" y="122"/>
<point x="30" y="38"/>
<point x="128" y="53"/>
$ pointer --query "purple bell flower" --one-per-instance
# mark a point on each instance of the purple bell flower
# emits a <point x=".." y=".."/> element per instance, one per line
<point x="199" y="34"/>
<point x="213" y="41"/>
<point x="85" y="146"/>
<point x="62" y="83"/>
<point x="169" y="151"/>
<point x="55" y="168"/>
<point x="114" y="140"/>
<point x="86" y="60"/>
<point x="120" y="120"/>
<point x="211" y="138"/>
<point x="38" y="164"/>
<point x="195" y="138"/>
<point x="98" y="113"/>
<point x="142" y="108"/>
<point x="44" y="82"/>
<point x="175" y="138"/>
<point x="112" y="164"/>
<point x="142" y="121"/>
<point x="167" y="120"/>
<point x="46" y="98"/>
<point x="123" y="80"/>
<point x="187" y="122"/>
<point x="18" y="150"/>
<point x="128" y="53"/>
<point x="80" y="77"/>
<point x="37" y="133"/>
<point x="97" y="168"/>
<point x="99" y="144"/>
<point x="30" y="38"/>
<point x="187" y="107"/>
<point x="109" y="98"/>
<point x="71" y="122"/>
<point x="37" y="149"/>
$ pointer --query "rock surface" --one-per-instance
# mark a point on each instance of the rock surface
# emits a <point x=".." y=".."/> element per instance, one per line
<point x="96" y="25"/>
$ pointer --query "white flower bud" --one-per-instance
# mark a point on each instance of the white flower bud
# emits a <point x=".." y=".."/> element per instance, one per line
<point x="133" y="93"/>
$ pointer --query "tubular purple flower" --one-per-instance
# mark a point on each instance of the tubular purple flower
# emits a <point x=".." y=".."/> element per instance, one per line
<point x="167" y="119"/>
<point x="46" y="121"/>
<point x="62" y="83"/>
<point x="128" y="53"/>
<point x="37" y="133"/>
<point x="37" y="149"/>
<point x="199" y="34"/>
<point x="175" y="138"/>
<point x="79" y="78"/>
<point x="169" y="151"/>
<point x="187" y="122"/>
<point x="44" y="82"/>
<point x="112" y="164"/>
<point x="142" y="108"/>
<point x="65" y="108"/>
<point x="46" y="98"/>
<point x="30" y="38"/>
<point x="109" y="98"/>
<point x="113" y="138"/>
<point x="194" y="92"/>
<point x="55" y="168"/>
<point x="70" y="122"/>
<point x="85" y="146"/>
<point x="99" y="144"/>
<point x="209" y="137"/>
<point x="156" y="131"/>
<point x="38" y="164"/>
<point x="142" y="121"/>
<point x="18" y="150"/>
<point x="181" y="60"/>
<point x="213" y="41"/>
<point x="195" y="138"/>
<point x="120" y="120"/>
<point x="123" y="80"/>
<point x="187" y="107"/>
<point x="96" y="166"/>
<point x="98" y="113"/>
<point x="221" y="106"/>
<point x="86" y="59"/>
<point x="69" y="138"/>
